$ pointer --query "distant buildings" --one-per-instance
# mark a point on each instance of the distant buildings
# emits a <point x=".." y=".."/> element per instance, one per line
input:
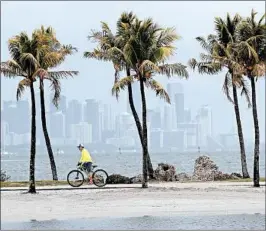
<point x="94" y="123"/>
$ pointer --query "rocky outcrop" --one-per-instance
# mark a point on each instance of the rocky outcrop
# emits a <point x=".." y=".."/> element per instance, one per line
<point x="118" y="179"/>
<point x="182" y="177"/>
<point x="136" y="179"/>
<point x="165" y="172"/>
<point x="206" y="170"/>
<point x="4" y="176"/>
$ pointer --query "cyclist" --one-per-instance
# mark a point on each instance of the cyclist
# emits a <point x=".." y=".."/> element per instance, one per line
<point x="85" y="161"/>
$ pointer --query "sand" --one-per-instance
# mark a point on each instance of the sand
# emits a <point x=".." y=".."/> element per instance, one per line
<point x="164" y="199"/>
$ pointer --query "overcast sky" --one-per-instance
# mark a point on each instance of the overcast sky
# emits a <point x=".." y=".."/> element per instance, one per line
<point x="73" y="22"/>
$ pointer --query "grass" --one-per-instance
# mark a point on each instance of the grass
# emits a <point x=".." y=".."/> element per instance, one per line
<point x="26" y="183"/>
<point x="57" y="183"/>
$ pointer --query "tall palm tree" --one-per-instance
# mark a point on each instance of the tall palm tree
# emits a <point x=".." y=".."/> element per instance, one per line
<point x="106" y="51"/>
<point x="219" y="45"/>
<point x="146" y="51"/>
<point x="27" y="55"/>
<point x="50" y="59"/>
<point x="23" y="51"/>
<point x="251" y="52"/>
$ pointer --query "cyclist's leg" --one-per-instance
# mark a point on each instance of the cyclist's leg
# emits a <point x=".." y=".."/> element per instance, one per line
<point x="89" y="169"/>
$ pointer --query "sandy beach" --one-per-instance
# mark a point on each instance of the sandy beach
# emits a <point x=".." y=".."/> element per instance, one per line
<point x="164" y="199"/>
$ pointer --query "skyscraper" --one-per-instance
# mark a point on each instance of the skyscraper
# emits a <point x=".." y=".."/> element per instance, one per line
<point x="204" y="119"/>
<point x="57" y="125"/>
<point x="73" y="115"/>
<point x="92" y="116"/>
<point x="81" y="133"/>
<point x="176" y="94"/>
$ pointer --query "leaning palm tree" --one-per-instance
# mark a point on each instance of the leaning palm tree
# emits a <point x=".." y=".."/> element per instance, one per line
<point x="219" y="45"/>
<point x="146" y="52"/>
<point x="106" y="51"/>
<point x="53" y="57"/>
<point x="251" y="53"/>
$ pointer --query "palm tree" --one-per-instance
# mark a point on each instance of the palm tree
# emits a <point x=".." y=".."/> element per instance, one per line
<point x="146" y="51"/>
<point x="27" y="55"/>
<point x="108" y="41"/>
<point x="50" y="59"/>
<point x="23" y="51"/>
<point x="219" y="45"/>
<point x="251" y="53"/>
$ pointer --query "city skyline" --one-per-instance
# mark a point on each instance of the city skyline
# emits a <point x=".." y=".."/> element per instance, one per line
<point x="93" y="122"/>
<point x="96" y="79"/>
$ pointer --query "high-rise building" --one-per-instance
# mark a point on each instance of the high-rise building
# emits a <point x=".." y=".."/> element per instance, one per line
<point x="176" y="94"/>
<point x="168" y="118"/>
<point x="73" y="115"/>
<point x="204" y="119"/>
<point x="57" y="125"/>
<point x="187" y="115"/>
<point x="11" y="116"/>
<point x="92" y="116"/>
<point x="4" y="134"/>
<point x="81" y="133"/>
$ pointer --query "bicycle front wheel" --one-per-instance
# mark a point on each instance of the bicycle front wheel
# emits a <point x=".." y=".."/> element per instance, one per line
<point x="99" y="177"/>
<point x="75" y="178"/>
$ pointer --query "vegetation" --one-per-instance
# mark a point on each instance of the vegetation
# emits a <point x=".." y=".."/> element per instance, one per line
<point x="216" y="44"/>
<point x="240" y="47"/>
<point x="140" y="49"/>
<point x="4" y="177"/>
<point x="31" y="58"/>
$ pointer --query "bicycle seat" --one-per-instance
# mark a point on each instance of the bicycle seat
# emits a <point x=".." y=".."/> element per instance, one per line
<point x="94" y="166"/>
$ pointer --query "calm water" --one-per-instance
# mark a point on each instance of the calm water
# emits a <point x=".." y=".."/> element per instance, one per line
<point x="129" y="164"/>
<point x="229" y="222"/>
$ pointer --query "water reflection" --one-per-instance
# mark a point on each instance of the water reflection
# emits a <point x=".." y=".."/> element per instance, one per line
<point x="240" y="222"/>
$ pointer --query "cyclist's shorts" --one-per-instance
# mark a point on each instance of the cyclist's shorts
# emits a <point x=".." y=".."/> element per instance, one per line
<point x="87" y="166"/>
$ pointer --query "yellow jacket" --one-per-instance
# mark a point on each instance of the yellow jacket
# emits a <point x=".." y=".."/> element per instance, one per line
<point x="85" y="156"/>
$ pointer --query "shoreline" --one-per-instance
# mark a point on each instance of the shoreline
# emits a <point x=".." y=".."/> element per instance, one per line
<point x="40" y="183"/>
<point x="165" y="199"/>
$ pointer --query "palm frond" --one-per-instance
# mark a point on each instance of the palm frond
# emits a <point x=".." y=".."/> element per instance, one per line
<point x="173" y="69"/>
<point x="227" y="86"/>
<point x="62" y="74"/>
<point x="21" y="87"/>
<point x="121" y="85"/>
<point x="158" y="88"/>
<point x="245" y="91"/>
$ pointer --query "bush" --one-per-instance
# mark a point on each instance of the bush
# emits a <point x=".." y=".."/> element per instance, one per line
<point x="4" y="176"/>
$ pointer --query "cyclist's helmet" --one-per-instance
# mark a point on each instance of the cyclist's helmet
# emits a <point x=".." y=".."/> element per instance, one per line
<point x="80" y="146"/>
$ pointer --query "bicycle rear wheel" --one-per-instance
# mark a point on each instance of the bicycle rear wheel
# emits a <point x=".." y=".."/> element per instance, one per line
<point x="75" y="178"/>
<point x="99" y="178"/>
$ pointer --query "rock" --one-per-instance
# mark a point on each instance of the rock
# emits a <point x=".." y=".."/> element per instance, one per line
<point x="204" y="169"/>
<point x="235" y="175"/>
<point x="136" y="179"/>
<point x="165" y="172"/>
<point x="4" y="176"/>
<point x="182" y="177"/>
<point x="118" y="179"/>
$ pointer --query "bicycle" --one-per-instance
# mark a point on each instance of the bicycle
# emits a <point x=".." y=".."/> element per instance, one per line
<point x="99" y="177"/>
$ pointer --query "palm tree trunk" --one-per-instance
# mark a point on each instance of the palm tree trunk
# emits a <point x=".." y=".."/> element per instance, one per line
<point x="145" y="140"/>
<point x="45" y="133"/>
<point x="32" y="188"/>
<point x="256" y="170"/>
<point x="240" y="135"/>
<point x="138" y="124"/>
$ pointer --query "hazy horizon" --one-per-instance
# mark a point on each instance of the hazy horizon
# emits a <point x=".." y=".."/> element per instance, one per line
<point x="73" y="22"/>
